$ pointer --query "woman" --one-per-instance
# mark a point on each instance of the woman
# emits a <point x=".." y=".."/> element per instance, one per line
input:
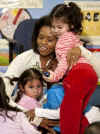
<point x="41" y="54"/>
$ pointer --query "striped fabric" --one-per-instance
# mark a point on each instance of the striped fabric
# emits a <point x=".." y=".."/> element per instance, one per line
<point x="67" y="41"/>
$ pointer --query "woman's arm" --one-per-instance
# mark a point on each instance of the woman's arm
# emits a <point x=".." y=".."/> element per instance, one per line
<point x="85" y="52"/>
<point x="15" y="68"/>
<point x="22" y="62"/>
<point x="46" y="113"/>
<point x="19" y="64"/>
<point x="74" y="54"/>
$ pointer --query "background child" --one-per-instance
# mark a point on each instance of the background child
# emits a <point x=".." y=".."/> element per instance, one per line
<point x="12" y="120"/>
<point x="30" y="85"/>
<point x="80" y="80"/>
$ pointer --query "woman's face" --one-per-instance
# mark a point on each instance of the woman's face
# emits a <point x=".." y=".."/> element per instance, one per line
<point x="46" y="41"/>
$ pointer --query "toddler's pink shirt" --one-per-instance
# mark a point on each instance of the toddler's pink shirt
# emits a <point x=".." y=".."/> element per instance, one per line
<point x="66" y="41"/>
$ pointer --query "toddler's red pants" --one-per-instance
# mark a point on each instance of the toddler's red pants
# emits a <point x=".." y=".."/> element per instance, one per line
<point x="79" y="85"/>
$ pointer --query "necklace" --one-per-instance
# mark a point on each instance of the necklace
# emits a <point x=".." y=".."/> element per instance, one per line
<point x="46" y="63"/>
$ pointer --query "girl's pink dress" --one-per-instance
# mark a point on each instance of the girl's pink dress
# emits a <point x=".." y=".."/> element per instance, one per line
<point x="28" y="102"/>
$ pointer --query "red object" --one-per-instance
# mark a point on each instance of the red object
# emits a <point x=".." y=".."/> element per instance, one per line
<point x="5" y="17"/>
<point x="79" y="85"/>
<point x="94" y="49"/>
<point x="17" y="16"/>
<point x="84" y="124"/>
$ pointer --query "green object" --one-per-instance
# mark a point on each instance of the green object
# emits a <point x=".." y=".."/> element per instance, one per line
<point x="4" y="61"/>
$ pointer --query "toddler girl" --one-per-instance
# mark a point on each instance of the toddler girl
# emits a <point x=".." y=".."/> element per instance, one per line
<point x="30" y="85"/>
<point x="66" y="21"/>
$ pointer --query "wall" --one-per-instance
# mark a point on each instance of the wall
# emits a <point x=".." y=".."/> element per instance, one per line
<point x="47" y="6"/>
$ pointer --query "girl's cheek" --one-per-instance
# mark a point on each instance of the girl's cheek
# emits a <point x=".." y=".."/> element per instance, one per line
<point x="40" y="91"/>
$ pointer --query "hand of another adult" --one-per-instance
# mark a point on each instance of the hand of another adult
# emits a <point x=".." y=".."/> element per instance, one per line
<point x="73" y="56"/>
<point x="48" y="124"/>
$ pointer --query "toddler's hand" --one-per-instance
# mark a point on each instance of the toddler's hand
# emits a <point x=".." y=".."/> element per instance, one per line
<point x="30" y="114"/>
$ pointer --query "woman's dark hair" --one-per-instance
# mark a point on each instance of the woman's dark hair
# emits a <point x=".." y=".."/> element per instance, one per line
<point x="70" y="14"/>
<point x="43" y="21"/>
<point x="4" y="101"/>
<point x="93" y="128"/>
<point x="26" y="76"/>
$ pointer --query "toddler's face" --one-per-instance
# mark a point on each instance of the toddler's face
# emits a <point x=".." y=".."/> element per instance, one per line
<point x="33" y="88"/>
<point x="59" y="27"/>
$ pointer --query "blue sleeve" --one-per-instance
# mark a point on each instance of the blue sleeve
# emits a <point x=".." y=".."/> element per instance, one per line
<point x="88" y="107"/>
<point x="54" y="97"/>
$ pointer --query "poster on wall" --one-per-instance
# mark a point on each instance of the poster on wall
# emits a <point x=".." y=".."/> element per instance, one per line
<point x="9" y="21"/>
<point x="13" y="13"/>
<point x="21" y="3"/>
<point x="91" y="23"/>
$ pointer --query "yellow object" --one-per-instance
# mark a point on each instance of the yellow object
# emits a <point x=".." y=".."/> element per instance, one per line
<point x="15" y="11"/>
<point x="91" y="27"/>
<point x="98" y="83"/>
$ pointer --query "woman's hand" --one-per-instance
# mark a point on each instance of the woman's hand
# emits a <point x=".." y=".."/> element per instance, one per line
<point x="73" y="56"/>
<point x="30" y="115"/>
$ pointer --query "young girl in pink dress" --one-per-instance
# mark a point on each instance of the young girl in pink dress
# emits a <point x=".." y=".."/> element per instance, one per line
<point x="12" y="120"/>
<point x="80" y="79"/>
<point x="30" y="86"/>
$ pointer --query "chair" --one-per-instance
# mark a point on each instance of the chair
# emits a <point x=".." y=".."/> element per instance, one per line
<point x="23" y="36"/>
<point x="95" y="98"/>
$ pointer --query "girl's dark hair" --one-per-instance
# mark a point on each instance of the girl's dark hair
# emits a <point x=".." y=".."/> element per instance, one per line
<point x="4" y="101"/>
<point x="26" y="76"/>
<point x="43" y="21"/>
<point x="70" y="14"/>
<point x="93" y="128"/>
